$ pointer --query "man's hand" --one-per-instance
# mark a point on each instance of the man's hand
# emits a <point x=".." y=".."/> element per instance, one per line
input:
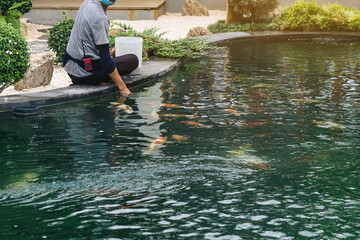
<point x="125" y="92"/>
<point x="120" y="83"/>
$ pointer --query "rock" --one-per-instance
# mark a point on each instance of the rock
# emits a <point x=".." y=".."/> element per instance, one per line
<point x="114" y="31"/>
<point x="194" y="8"/>
<point x="198" y="31"/>
<point x="39" y="73"/>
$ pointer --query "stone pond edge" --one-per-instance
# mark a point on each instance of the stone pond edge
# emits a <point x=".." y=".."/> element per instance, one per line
<point x="151" y="70"/>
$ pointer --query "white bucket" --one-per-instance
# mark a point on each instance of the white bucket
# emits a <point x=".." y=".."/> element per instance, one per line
<point x="130" y="45"/>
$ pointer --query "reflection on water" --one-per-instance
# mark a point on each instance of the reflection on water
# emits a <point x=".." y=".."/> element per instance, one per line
<point x="258" y="140"/>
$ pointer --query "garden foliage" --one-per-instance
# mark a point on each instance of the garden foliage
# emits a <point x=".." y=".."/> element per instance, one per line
<point x="59" y="36"/>
<point x="155" y="45"/>
<point x="6" y="5"/>
<point x="12" y="11"/>
<point x="302" y="16"/>
<point x="14" y="55"/>
<point x="221" y="26"/>
<point x="309" y="16"/>
<point x="256" y="10"/>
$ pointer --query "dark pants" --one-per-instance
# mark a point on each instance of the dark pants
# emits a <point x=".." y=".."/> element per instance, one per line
<point x="124" y="64"/>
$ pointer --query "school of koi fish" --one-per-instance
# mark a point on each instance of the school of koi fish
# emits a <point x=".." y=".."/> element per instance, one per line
<point x="243" y="153"/>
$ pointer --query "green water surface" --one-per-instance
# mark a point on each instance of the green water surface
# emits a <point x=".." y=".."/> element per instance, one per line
<point x="261" y="141"/>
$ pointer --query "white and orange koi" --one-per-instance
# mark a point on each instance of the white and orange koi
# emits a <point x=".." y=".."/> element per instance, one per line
<point x="156" y="144"/>
<point x="232" y="111"/>
<point x="328" y="124"/>
<point x="124" y="107"/>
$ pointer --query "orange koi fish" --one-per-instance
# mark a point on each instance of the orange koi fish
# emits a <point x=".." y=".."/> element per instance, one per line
<point x="232" y="111"/>
<point x="180" y="138"/>
<point x="156" y="144"/>
<point x="170" y="105"/>
<point x="195" y="124"/>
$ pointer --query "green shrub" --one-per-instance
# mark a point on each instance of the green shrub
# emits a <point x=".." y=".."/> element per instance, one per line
<point x="13" y="14"/>
<point x="256" y="9"/>
<point x="339" y="18"/>
<point x="155" y="45"/>
<point x="14" y="56"/>
<point x="5" y="6"/>
<point x="221" y="26"/>
<point x="308" y="16"/>
<point x="185" y="47"/>
<point x="59" y="36"/>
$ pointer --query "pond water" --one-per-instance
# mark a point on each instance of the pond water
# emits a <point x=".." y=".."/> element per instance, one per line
<point x="257" y="140"/>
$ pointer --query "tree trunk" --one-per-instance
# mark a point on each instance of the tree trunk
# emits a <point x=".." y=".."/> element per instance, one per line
<point x="253" y="18"/>
<point x="232" y="16"/>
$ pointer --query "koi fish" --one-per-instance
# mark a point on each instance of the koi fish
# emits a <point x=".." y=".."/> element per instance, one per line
<point x="180" y="138"/>
<point x="153" y="103"/>
<point x="169" y="115"/>
<point x="115" y="103"/>
<point x="172" y="115"/>
<point x="124" y="107"/>
<point x="156" y="144"/>
<point x="244" y="105"/>
<point x="263" y="85"/>
<point x="171" y="105"/>
<point x="196" y="124"/>
<point x="243" y="156"/>
<point x="299" y="92"/>
<point x="309" y="100"/>
<point x="329" y="124"/>
<point x="232" y="111"/>
<point x="254" y="124"/>
<point x="154" y="114"/>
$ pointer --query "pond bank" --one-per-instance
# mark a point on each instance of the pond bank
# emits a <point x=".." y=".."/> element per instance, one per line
<point x="152" y="69"/>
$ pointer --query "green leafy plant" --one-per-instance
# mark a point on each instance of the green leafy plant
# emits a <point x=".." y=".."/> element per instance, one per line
<point x="121" y="25"/>
<point x="14" y="56"/>
<point x="59" y="36"/>
<point x="7" y="5"/>
<point x="309" y="16"/>
<point x="12" y="14"/>
<point x="155" y="45"/>
<point x="256" y="10"/>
